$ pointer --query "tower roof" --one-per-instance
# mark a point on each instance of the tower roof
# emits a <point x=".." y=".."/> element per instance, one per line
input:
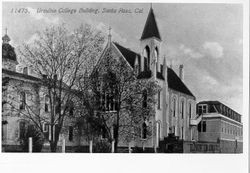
<point x="6" y="38"/>
<point x="150" y="28"/>
<point x="8" y="52"/>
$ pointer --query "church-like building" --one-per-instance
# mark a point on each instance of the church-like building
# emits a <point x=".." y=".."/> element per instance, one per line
<point x="175" y="110"/>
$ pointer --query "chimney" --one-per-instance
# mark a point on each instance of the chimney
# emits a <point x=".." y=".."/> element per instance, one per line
<point x="181" y="73"/>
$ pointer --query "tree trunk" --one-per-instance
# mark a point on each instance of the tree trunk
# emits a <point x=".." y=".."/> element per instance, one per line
<point x="53" y="146"/>
<point x="116" y="137"/>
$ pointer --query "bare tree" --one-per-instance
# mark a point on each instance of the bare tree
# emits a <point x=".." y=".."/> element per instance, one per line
<point x="116" y="100"/>
<point x="59" y="58"/>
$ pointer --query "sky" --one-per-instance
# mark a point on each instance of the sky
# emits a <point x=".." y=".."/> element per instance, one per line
<point x="205" y="38"/>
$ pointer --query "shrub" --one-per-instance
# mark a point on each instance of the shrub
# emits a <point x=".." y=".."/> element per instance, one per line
<point x="102" y="146"/>
<point x="37" y="139"/>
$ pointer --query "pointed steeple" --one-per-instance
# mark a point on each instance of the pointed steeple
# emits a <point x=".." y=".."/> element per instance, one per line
<point x="150" y="28"/>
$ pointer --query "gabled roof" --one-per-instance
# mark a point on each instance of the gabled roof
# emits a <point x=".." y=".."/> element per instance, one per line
<point x="129" y="55"/>
<point x="175" y="83"/>
<point x="150" y="28"/>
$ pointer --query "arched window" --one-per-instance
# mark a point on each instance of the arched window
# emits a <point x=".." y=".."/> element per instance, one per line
<point x="174" y="107"/>
<point x="46" y="105"/>
<point x="190" y="110"/>
<point x="156" y="55"/>
<point x="182" y="109"/>
<point x="146" y="55"/>
<point x="22" y="129"/>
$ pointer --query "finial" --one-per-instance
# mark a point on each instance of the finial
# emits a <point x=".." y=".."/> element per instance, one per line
<point x="151" y="5"/>
<point x="171" y="63"/>
<point x="6" y="31"/>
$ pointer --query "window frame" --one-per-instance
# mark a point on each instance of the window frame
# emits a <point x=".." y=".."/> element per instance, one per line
<point x="182" y="109"/>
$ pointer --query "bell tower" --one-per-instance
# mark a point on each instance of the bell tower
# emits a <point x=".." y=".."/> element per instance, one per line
<point x="150" y="46"/>
<point x="9" y="58"/>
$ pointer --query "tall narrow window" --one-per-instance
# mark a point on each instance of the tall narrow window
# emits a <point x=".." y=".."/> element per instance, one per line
<point x="145" y="64"/>
<point x="71" y="133"/>
<point x="146" y="55"/>
<point x="46" y="105"/>
<point x="190" y="110"/>
<point x="182" y="109"/>
<point x="156" y="58"/>
<point x="22" y="100"/>
<point x="22" y="130"/>
<point x="144" y="102"/>
<point x="182" y="135"/>
<point x="159" y="99"/>
<point x="174" y="107"/>
<point x="144" y="131"/>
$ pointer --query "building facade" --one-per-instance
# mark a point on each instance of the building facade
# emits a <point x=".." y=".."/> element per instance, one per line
<point x="176" y="105"/>
<point x="23" y="94"/>
<point x="174" y="113"/>
<point x="220" y="124"/>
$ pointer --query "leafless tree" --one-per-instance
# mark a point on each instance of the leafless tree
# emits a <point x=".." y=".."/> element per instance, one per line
<point x="59" y="59"/>
<point x="116" y="99"/>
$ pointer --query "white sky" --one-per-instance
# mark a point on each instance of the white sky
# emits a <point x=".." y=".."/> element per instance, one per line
<point x="206" y="38"/>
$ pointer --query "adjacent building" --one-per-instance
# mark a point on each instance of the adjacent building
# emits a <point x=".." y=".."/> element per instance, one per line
<point x="22" y="88"/>
<point x="220" y="124"/>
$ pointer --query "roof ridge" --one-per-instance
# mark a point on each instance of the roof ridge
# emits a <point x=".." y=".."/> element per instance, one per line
<point x="185" y="86"/>
<point x="126" y="47"/>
